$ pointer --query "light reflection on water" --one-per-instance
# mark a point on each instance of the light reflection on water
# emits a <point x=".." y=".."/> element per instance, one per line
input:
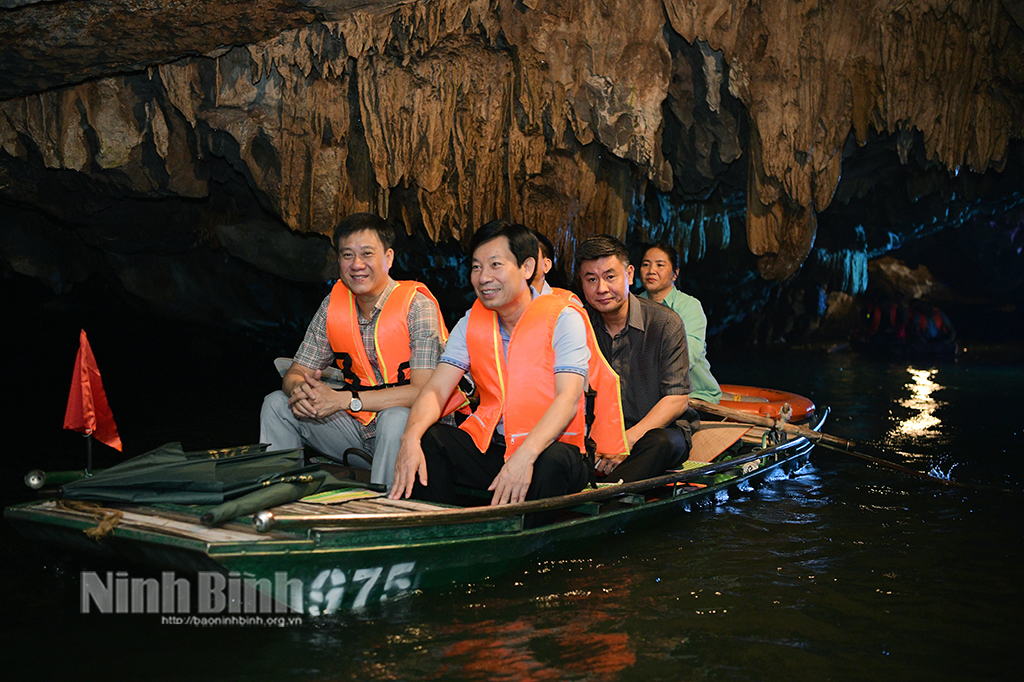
<point x="925" y="422"/>
<point x="544" y="648"/>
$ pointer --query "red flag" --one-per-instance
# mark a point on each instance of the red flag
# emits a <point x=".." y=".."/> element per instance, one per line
<point x="88" y="411"/>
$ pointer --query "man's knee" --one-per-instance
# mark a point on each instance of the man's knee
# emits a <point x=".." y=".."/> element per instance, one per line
<point x="656" y="440"/>
<point x="435" y="438"/>
<point x="276" y="410"/>
<point x="278" y="426"/>
<point x="276" y="401"/>
<point x="560" y="469"/>
<point x="391" y="422"/>
<point x="666" y="445"/>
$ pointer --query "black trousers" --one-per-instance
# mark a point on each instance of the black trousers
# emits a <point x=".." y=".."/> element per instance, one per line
<point x="453" y="459"/>
<point x="658" y="451"/>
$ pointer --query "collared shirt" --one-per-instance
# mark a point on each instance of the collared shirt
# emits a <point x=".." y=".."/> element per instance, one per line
<point x="650" y="357"/>
<point x="689" y="309"/>
<point x="424" y="340"/>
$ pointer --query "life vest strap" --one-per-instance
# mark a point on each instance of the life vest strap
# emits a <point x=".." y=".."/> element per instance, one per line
<point x="353" y="382"/>
<point x="590" y="447"/>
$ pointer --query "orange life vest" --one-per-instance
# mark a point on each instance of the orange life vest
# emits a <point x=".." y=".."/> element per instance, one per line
<point x="522" y="388"/>
<point x="569" y="297"/>
<point x="390" y="339"/>
<point x="936" y="318"/>
<point x="608" y="431"/>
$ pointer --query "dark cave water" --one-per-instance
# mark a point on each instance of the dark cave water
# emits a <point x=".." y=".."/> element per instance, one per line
<point x="845" y="572"/>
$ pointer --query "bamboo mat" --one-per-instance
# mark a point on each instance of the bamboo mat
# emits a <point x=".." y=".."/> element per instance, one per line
<point x="379" y="504"/>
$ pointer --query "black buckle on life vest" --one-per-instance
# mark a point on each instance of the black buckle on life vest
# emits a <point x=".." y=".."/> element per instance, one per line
<point x="353" y="383"/>
<point x="588" y="442"/>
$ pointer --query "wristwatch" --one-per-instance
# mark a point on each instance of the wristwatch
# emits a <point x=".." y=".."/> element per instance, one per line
<point x="356" y="405"/>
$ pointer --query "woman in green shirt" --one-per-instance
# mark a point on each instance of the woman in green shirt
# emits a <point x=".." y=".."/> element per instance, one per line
<point x="658" y="271"/>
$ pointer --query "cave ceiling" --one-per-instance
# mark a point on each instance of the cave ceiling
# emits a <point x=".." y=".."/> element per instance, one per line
<point x="824" y="132"/>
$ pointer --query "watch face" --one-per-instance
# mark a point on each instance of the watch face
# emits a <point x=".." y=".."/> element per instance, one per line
<point x="356" y="405"/>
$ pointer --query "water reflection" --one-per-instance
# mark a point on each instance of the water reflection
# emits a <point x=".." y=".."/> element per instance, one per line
<point x="921" y="387"/>
<point x="544" y="645"/>
<point x="521" y="650"/>
<point x="918" y="432"/>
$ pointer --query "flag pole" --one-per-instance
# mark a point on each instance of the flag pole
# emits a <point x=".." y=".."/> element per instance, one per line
<point x="88" y="453"/>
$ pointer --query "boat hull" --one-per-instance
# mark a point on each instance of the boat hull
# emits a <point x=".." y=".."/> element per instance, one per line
<point x="323" y="569"/>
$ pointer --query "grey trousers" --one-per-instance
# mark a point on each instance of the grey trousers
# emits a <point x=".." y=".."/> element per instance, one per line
<point x="332" y="436"/>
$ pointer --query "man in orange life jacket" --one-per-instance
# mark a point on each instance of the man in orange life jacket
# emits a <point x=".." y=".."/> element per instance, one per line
<point x="386" y="337"/>
<point x="645" y="343"/>
<point x="528" y="355"/>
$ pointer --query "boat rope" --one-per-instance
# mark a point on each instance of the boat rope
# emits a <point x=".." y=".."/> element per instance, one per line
<point x="775" y="433"/>
<point x="106" y="518"/>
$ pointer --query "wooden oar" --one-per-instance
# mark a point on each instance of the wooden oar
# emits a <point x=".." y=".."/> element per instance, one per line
<point x="267" y="520"/>
<point x="823" y="439"/>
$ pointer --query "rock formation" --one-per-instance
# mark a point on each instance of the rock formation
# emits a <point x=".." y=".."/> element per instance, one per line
<point x="155" y="128"/>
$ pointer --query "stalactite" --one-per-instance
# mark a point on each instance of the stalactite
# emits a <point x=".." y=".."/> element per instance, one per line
<point x="563" y="114"/>
<point x="810" y="73"/>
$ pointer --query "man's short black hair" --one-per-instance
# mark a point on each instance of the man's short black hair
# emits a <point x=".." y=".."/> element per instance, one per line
<point x="522" y="242"/>
<point x="673" y="255"/>
<point x="601" y="246"/>
<point x="547" y="249"/>
<point x="357" y="222"/>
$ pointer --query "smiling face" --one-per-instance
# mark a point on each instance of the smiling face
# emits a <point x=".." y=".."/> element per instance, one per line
<point x="606" y="285"/>
<point x="365" y="264"/>
<point x="657" y="273"/>
<point x="499" y="283"/>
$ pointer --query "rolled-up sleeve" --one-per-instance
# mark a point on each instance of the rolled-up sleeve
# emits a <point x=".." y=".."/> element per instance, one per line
<point x="425" y="343"/>
<point x="456" y="351"/>
<point x="570" y="343"/>
<point x="315" y="350"/>
<point x="675" y="359"/>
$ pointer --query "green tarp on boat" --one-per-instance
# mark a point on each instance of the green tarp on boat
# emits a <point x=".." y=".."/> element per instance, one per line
<point x="240" y="480"/>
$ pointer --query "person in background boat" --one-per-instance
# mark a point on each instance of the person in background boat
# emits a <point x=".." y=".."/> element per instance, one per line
<point x="887" y="322"/>
<point x="545" y="261"/>
<point x="365" y="310"/>
<point x="930" y="325"/>
<point x="525" y="439"/>
<point x="646" y="345"/>
<point x="658" y="272"/>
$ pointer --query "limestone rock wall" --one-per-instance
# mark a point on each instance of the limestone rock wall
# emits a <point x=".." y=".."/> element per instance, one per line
<point x="809" y="73"/>
<point x="570" y="115"/>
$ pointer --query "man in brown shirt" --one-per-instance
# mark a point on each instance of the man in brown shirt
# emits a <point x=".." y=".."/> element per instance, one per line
<point x="645" y="343"/>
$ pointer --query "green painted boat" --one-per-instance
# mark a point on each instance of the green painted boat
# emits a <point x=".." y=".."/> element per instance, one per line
<point x="320" y="558"/>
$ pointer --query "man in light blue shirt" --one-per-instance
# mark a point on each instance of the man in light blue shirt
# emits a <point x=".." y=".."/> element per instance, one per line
<point x="540" y="461"/>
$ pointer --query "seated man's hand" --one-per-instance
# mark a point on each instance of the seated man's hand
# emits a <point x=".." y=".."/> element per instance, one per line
<point x="301" y="401"/>
<point x="410" y="463"/>
<point x="321" y="399"/>
<point x="633" y="435"/>
<point x="513" y="481"/>
<point x="605" y="464"/>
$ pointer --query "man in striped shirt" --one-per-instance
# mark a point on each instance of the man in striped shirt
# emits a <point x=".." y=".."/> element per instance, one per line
<point x="370" y="412"/>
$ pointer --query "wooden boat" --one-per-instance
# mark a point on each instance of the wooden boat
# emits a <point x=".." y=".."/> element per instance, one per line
<point x="319" y="558"/>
